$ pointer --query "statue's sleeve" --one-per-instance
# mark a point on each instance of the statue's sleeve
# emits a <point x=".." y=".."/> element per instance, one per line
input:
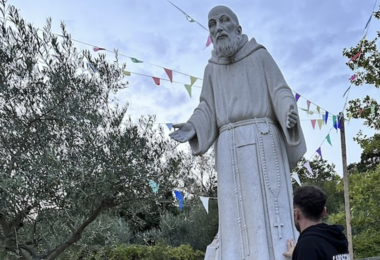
<point x="204" y="118"/>
<point x="282" y="100"/>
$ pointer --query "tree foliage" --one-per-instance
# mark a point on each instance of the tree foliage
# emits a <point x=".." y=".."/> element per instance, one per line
<point x="68" y="152"/>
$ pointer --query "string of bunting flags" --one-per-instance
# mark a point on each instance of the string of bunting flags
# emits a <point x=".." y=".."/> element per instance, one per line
<point x="325" y="115"/>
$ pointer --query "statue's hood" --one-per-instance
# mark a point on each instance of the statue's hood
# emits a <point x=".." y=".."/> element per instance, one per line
<point x="245" y="49"/>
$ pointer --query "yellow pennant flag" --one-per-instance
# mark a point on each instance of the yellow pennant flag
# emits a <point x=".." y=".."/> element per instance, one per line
<point x="318" y="109"/>
<point x="349" y="117"/>
<point x="126" y="73"/>
<point x="192" y="80"/>
<point x="320" y="123"/>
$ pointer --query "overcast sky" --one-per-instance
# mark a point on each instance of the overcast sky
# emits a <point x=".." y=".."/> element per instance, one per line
<point x="306" y="38"/>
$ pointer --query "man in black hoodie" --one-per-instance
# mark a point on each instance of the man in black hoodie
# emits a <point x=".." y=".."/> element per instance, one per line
<point x="317" y="241"/>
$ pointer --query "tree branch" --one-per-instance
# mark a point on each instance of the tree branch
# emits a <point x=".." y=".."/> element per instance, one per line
<point x="78" y="232"/>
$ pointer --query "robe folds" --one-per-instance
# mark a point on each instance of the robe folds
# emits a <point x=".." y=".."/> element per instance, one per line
<point x="243" y="111"/>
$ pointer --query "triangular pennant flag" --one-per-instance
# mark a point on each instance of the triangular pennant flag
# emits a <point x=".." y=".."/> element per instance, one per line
<point x="170" y="74"/>
<point x="169" y="125"/>
<point x="320" y="123"/>
<point x="313" y="121"/>
<point x="326" y="117"/>
<point x="126" y="73"/>
<point x="339" y="122"/>
<point x="204" y="202"/>
<point x="209" y="41"/>
<point x="352" y="78"/>
<point x="297" y="97"/>
<point x="91" y="66"/>
<point x="356" y="67"/>
<point x="319" y="151"/>
<point x="191" y="20"/>
<point x="369" y="20"/>
<point x="308" y="105"/>
<point x="318" y="109"/>
<point x="360" y="112"/>
<point x="311" y="113"/>
<point x="136" y="60"/>
<point x="335" y="123"/>
<point x="356" y="56"/>
<point x="154" y="186"/>
<point x="307" y="166"/>
<point x="372" y="110"/>
<point x="192" y="80"/>
<point x="188" y="88"/>
<point x="98" y="49"/>
<point x="296" y="178"/>
<point x="156" y="80"/>
<point x="179" y="197"/>
<point x="349" y="117"/>
<point x="329" y="139"/>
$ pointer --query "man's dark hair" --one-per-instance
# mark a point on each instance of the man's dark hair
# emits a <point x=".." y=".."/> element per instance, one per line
<point x="310" y="200"/>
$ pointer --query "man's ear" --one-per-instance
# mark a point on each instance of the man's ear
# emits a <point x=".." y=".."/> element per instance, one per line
<point x="240" y="30"/>
<point x="324" y="212"/>
<point x="297" y="214"/>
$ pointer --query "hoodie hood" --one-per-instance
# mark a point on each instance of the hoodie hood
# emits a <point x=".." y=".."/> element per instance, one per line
<point x="331" y="233"/>
<point x="245" y="48"/>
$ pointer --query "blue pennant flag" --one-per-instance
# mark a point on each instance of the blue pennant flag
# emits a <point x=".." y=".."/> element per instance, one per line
<point x="179" y="197"/>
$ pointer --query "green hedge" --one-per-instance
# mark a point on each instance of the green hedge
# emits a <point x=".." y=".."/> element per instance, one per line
<point x="138" y="252"/>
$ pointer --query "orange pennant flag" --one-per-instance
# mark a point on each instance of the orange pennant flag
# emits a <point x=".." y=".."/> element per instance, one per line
<point x="156" y="80"/>
<point x="313" y="123"/>
<point x="170" y="74"/>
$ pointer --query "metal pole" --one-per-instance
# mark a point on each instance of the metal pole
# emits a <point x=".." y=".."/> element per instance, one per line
<point x="345" y="181"/>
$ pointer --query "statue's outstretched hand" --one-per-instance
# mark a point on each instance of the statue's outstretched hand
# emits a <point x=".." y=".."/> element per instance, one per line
<point x="185" y="132"/>
<point x="292" y="117"/>
<point x="290" y="245"/>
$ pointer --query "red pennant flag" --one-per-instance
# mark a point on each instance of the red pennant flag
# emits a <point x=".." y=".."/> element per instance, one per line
<point x="313" y="123"/>
<point x="170" y="74"/>
<point x="308" y="105"/>
<point x="156" y="80"/>
<point x="98" y="49"/>
<point x="360" y="112"/>
<point x="356" y="55"/>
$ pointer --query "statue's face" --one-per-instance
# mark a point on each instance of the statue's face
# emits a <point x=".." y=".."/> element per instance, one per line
<point x="225" y="31"/>
<point x="222" y="27"/>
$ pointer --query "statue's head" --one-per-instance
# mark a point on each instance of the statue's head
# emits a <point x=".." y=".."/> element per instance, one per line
<point x="225" y="30"/>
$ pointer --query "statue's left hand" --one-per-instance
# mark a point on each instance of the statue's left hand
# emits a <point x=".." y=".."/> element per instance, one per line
<point x="292" y="117"/>
<point x="290" y="245"/>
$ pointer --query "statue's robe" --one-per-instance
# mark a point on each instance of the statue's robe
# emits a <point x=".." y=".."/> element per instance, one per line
<point x="243" y="109"/>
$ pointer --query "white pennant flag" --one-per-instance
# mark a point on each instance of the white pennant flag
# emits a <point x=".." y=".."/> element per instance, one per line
<point x="205" y="202"/>
<point x="296" y="178"/>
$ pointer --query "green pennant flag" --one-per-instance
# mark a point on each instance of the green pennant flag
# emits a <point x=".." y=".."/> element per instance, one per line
<point x="329" y="139"/>
<point x="188" y="88"/>
<point x="136" y="60"/>
<point x="192" y="80"/>
<point x="372" y="110"/>
<point x="334" y="120"/>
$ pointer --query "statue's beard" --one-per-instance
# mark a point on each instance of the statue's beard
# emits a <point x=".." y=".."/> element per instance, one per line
<point x="227" y="46"/>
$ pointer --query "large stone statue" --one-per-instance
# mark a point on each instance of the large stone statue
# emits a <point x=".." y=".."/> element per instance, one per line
<point x="248" y="111"/>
